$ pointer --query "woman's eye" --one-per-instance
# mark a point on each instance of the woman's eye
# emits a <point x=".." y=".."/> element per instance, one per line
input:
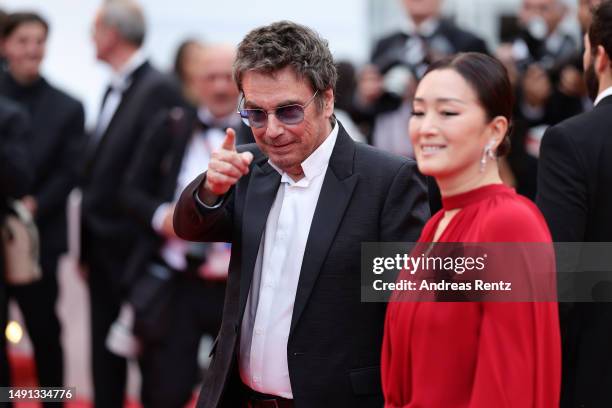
<point x="449" y="113"/>
<point x="416" y="112"/>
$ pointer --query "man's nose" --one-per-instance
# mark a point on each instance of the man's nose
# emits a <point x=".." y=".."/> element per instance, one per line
<point x="275" y="127"/>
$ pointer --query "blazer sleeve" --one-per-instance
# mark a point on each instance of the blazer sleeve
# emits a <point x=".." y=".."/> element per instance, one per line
<point x="193" y="222"/>
<point x="406" y="208"/>
<point x="562" y="187"/>
<point x="52" y="195"/>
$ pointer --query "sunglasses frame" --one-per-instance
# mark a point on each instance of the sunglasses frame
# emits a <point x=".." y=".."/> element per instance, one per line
<point x="245" y="117"/>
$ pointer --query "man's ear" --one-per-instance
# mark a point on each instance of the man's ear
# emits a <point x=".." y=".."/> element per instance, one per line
<point x="328" y="97"/>
<point x="602" y="60"/>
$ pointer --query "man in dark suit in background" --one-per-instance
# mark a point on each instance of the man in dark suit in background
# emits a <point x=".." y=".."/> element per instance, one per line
<point x="179" y="145"/>
<point x="58" y="135"/>
<point x="296" y="208"/>
<point x="136" y="94"/>
<point x="16" y="175"/>
<point x="574" y="179"/>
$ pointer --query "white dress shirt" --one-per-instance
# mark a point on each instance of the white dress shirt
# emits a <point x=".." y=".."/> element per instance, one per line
<point x="605" y="93"/>
<point x="263" y="365"/>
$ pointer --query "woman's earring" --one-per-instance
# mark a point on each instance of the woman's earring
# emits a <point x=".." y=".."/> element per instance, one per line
<point x="487" y="152"/>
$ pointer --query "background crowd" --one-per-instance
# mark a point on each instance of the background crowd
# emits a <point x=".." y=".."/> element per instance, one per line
<point x="156" y="131"/>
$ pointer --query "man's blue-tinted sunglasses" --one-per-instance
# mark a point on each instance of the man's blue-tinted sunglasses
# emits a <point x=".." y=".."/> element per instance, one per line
<point x="288" y="114"/>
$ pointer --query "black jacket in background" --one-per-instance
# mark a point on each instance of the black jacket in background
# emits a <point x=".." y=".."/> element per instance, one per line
<point x="104" y="218"/>
<point x="15" y="177"/>
<point x="15" y="169"/>
<point x="575" y="196"/>
<point x="56" y="144"/>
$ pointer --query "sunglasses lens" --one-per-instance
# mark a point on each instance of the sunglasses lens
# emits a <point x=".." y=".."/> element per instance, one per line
<point x="290" y="115"/>
<point x="256" y="118"/>
<point x="244" y="116"/>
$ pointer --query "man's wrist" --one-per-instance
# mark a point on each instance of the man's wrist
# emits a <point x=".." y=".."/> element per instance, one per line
<point x="205" y="199"/>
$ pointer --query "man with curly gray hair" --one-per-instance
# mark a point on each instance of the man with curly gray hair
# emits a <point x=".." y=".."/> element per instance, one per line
<point x="296" y="207"/>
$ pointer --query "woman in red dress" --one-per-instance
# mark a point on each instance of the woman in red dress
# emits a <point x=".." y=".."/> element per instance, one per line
<point x="471" y="354"/>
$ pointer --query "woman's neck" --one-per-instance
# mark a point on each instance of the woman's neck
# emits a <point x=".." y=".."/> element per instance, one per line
<point x="468" y="180"/>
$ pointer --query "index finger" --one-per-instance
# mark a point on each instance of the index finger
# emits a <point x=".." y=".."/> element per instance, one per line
<point x="229" y="143"/>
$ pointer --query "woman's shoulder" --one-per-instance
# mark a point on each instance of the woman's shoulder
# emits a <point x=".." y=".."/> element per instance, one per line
<point x="510" y="217"/>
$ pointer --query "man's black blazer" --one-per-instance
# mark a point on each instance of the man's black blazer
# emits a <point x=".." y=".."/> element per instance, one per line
<point x="105" y="169"/>
<point x="575" y="196"/>
<point x="335" y="340"/>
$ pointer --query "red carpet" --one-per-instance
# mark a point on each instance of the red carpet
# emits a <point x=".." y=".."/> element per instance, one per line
<point x="23" y="374"/>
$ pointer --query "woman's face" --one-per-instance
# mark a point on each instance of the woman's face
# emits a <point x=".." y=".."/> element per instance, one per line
<point x="448" y="127"/>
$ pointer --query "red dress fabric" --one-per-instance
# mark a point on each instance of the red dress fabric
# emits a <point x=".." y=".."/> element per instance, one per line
<point x="472" y="354"/>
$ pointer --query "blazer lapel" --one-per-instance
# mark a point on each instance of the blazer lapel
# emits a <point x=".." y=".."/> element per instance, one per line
<point x="334" y="198"/>
<point x="260" y="196"/>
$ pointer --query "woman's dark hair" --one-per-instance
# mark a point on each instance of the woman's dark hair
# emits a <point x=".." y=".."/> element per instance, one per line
<point x="14" y="20"/>
<point x="489" y="79"/>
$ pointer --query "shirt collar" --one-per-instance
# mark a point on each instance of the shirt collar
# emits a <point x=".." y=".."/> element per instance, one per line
<point x="314" y="164"/>
<point x="121" y="77"/>
<point x="606" y="92"/>
<point x="426" y="29"/>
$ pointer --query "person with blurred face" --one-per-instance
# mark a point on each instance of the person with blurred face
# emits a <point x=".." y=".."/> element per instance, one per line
<point x="215" y="87"/>
<point x="472" y="354"/>
<point x="401" y="58"/>
<point x="186" y="65"/>
<point x="57" y="123"/>
<point x="574" y="178"/>
<point x="24" y="48"/>
<point x="136" y="94"/>
<point x="180" y="143"/>
<point x="296" y="206"/>
<point x="422" y="10"/>
<point x="542" y="39"/>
